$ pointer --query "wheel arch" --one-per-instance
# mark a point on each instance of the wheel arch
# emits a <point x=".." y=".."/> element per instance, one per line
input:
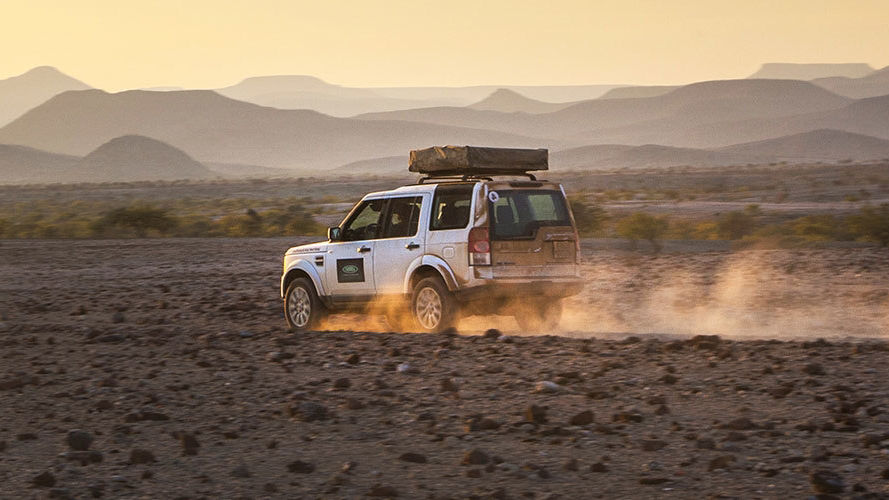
<point x="302" y="269"/>
<point x="429" y="265"/>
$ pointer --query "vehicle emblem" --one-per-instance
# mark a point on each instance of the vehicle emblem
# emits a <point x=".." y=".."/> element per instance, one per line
<point x="493" y="196"/>
<point x="350" y="269"/>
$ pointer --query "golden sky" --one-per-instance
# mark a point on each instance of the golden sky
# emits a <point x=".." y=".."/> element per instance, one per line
<point x="118" y="44"/>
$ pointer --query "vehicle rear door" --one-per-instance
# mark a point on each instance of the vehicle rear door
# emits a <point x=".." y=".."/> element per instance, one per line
<point x="532" y="234"/>
<point x="402" y="240"/>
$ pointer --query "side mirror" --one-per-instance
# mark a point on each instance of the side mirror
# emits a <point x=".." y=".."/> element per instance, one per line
<point x="334" y="233"/>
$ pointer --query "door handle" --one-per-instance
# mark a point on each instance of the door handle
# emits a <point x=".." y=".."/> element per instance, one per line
<point x="412" y="246"/>
<point x="363" y="249"/>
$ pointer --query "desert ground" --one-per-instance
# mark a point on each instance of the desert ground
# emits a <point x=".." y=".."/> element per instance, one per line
<point x="162" y="368"/>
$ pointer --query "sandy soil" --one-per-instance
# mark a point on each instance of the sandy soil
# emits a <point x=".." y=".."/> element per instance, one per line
<point x="171" y="360"/>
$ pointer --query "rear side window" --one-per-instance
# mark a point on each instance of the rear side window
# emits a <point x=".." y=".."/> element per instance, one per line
<point x="518" y="213"/>
<point x="451" y="207"/>
<point x="402" y="217"/>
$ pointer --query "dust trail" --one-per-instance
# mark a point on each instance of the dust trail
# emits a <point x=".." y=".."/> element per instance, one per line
<point x="750" y="294"/>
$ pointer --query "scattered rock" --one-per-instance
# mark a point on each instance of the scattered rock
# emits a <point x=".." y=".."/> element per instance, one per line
<point x="536" y="414"/>
<point x="44" y="480"/>
<point x="585" y="417"/>
<point x="475" y="457"/>
<point x="189" y="443"/>
<point x="342" y="383"/>
<point x="652" y="444"/>
<point x="598" y="467"/>
<point x="813" y="369"/>
<point x="721" y="462"/>
<point x="379" y="490"/>
<point x="825" y="481"/>
<point x="308" y="411"/>
<point x="547" y="387"/>
<point x="449" y="385"/>
<point x="407" y="369"/>
<point x="240" y="471"/>
<point x="415" y="458"/>
<point x="141" y="456"/>
<point x="300" y="467"/>
<point x="493" y="333"/>
<point x="739" y="424"/>
<point x="651" y="481"/>
<point x="79" y="440"/>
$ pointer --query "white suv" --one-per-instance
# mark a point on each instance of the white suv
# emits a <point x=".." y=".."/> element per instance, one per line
<point x="426" y="254"/>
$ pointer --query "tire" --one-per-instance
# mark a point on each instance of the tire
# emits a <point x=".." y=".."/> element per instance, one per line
<point x="302" y="308"/>
<point x="540" y="317"/>
<point x="433" y="307"/>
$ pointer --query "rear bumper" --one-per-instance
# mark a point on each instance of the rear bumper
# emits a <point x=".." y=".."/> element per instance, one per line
<point x="505" y="289"/>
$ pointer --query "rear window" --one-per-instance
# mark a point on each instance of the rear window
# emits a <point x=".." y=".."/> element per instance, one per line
<point x="451" y="206"/>
<point x="517" y="214"/>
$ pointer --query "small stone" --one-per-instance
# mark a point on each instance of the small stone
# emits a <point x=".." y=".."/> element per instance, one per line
<point x="475" y="457"/>
<point x="583" y="418"/>
<point x="474" y="473"/>
<point x="141" y="456"/>
<point x="415" y="458"/>
<point x="653" y="444"/>
<point x="722" y="462"/>
<point x="598" y="467"/>
<point x="662" y="410"/>
<point x="571" y="464"/>
<point x="449" y="385"/>
<point x="79" y="440"/>
<point x="492" y="333"/>
<point x="44" y="480"/>
<point x="536" y="414"/>
<point x="407" y="369"/>
<point x="669" y="379"/>
<point x="825" y="481"/>
<point x="118" y="317"/>
<point x="353" y="359"/>
<point x="342" y="383"/>
<point x="705" y="444"/>
<point x="650" y="481"/>
<point x="355" y="404"/>
<point x="547" y="387"/>
<point x="379" y="490"/>
<point x="241" y="471"/>
<point x="813" y="369"/>
<point x="739" y="424"/>
<point x="278" y="356"/>
<point x="190" y="444"/>
<point x="308" y="411"/>
<point x="300" y="467"/>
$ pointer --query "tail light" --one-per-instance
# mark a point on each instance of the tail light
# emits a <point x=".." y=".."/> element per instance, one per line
<point x="479" y="247"/>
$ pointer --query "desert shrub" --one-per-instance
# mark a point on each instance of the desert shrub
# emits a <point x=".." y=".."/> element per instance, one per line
<point x="871" y="224"/>
<point x="141" y="219"/>
<point x="735" y="225"/>
<point x="643" y="226"/>
<point x="589" y="217"/>
<point x="816" y="228"/>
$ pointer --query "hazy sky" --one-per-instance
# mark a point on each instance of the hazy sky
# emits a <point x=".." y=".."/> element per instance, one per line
<point x="117" y="44"/>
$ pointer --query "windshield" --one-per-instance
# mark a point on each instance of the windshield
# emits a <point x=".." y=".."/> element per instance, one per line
<point x="516" y="214"/>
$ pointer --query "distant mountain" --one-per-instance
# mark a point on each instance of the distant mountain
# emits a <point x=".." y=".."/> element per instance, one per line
<point x="616" y="156"/>
<point x="816" y="145"/>
<point x="138" y="158"/>
<point x="240" y="171"/>
<point x="22" y="165"/>
<point x="510" y="101"/>
<point x="643" y="120"/>
<point x="213" y="128"/>
<point x="640" y="91"/>
<point x="463" y="96"/>
<point x="793" y="71"/>
<point x="872" y="85"/>
<point x="21" y="93"/>
<point x="388" y="165"/>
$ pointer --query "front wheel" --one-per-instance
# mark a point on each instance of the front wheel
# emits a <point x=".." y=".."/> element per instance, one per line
<point x="540" y="317"/>
<point x="433" y="306"/>
<point x="302" y="308"/>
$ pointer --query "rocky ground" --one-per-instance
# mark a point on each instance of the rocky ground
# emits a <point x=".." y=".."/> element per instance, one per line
<point x="162" y="369"/>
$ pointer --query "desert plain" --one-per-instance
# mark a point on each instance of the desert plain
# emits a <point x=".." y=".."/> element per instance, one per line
<point x="162" y="368"/>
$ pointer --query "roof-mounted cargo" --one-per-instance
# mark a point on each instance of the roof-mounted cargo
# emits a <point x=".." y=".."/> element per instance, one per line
<point x="473" y="161"/>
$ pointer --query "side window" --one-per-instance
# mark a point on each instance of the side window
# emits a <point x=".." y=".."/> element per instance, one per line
<point x="450" y="207"/>
<point x="364" y="223"/>
<point x="402" y="217"/>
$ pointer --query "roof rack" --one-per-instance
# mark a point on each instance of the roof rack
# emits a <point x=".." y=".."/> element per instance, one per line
<point x="456" y="177"/>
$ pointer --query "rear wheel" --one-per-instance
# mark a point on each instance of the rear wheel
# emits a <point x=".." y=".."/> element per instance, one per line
<point x="541" y="316"/>
<point x="302" y="308"/>
<point x="433" y="306"/>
